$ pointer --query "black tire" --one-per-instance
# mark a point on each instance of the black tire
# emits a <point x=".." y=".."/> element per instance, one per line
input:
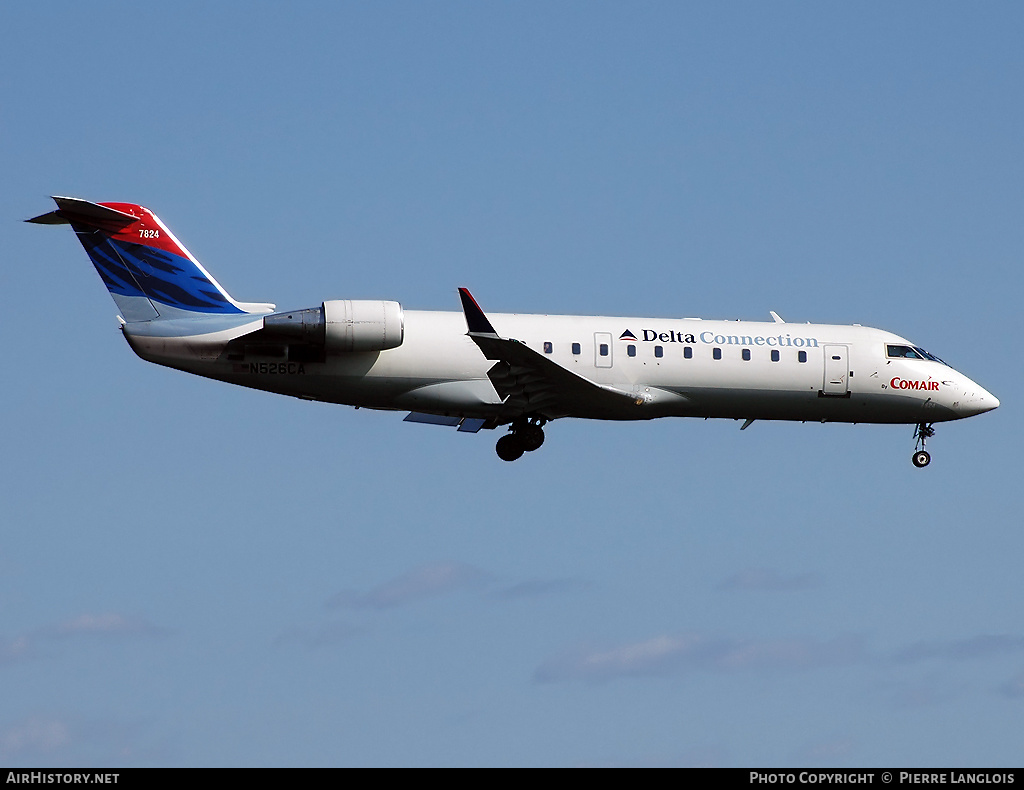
<point x="509" y="448"/>
<point x="921" y="459"/>
<point x="531" y="437"/>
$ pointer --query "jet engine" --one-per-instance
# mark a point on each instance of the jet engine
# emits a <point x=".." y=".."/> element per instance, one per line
<point x="340" y="325"/>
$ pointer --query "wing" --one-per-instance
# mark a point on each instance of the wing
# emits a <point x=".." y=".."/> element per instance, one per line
<point x="531" y="384"/>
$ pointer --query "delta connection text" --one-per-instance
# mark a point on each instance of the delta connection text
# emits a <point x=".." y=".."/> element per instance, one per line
<point x="713" y="338"/>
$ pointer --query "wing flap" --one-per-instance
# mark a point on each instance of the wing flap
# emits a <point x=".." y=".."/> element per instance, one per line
<point x="432" y="419"/>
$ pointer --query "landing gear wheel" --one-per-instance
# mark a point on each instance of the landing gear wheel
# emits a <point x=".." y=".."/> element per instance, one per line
<point x="527" y="435"/>
<point x="922" y="433"/>
<point x="532" y="437"/>
<point x="509" y="447"/>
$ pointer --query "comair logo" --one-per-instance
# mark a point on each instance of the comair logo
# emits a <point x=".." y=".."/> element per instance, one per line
<point x="902" y="384"/>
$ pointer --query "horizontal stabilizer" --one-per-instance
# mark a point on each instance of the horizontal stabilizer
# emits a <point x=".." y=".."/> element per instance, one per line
<point x="83" y="211"/>
<point x="50" y="218"/>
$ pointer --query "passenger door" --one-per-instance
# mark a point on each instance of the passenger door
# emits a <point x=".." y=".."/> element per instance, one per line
<point x="602" y="349"/>
<point x="837" y="371"/>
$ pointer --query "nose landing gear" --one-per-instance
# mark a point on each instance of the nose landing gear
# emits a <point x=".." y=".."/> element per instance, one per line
<point x="922" y="433"/>
<point x="527" y="435"/>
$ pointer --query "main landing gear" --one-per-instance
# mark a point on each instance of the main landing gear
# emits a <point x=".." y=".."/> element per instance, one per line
<point x="922" y="433"/>
<point x="527" y="435"/>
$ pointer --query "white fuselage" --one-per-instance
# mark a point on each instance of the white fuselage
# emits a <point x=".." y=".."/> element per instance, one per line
<point x="733" y="369"/>
<point x="478" y="371"/>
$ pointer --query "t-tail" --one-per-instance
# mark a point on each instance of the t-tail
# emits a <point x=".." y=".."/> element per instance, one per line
<point x="148" y="272"/>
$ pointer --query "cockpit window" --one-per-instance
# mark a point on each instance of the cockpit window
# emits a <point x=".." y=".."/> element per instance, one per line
<point x="932" y="357"/>
<point x="902" y="352"/>
<point x="910" y="352"/>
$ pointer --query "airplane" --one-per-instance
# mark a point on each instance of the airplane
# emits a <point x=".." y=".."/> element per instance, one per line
<point x="475" y="371"/>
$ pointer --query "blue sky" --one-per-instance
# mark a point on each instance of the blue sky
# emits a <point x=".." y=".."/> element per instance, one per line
<point x="195" y="574"/>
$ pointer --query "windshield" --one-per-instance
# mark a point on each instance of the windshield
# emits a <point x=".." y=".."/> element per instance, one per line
<point x="910" y="352"/>
<point x="932" y="357"/>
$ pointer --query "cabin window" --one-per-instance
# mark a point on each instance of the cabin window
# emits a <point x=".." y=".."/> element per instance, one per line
<point x="716" y="353"/>
<point x="576" y="349"/>
<point x="801" y="356"/>
<point x="603" y="349"/>
<point x="659" y="351"/>
<point x="548" y="348"/>
<point x="746" y="355"/>
<point x="630" y="351"/>
<point x="775" y="355"/>
<point x="688" y="352"/>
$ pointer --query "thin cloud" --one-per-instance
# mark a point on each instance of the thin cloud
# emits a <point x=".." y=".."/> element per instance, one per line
<point x="17" y="649"/>
<point x="32" y="737"/>
<point x="540" y="588"/>
<point x="671" y="654"/>
<point x="829" y="752"/>
<point x="767" y="579"/>
<point x="792" y="654"/>
<point x="917" y="695"/>
<point x="87" y="625"/>
<point x="66" y="740"/>
<point x="109" y="624"/>
<point x="962" y="649"/>
<point x="1014" y="687"/>
<point x="698" y="757"/>
<point x="315" y="638"/>
<point x="420" y="583"/>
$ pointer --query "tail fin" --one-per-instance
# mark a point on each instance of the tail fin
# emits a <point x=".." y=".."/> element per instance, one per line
<point x="148" y="272"/>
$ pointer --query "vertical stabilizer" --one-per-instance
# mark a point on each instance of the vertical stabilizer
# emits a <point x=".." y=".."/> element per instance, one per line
<point x="149" y="273"/>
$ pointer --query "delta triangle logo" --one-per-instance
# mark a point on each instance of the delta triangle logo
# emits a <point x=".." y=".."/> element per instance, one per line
<point x="627" y="335"/>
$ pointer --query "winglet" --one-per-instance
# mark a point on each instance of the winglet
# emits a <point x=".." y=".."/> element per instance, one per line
<point x="476" y="321"/>
<point x="776" y="318"/>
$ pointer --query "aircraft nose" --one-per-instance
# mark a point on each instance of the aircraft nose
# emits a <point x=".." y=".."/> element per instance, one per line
<point x="989" y="401"/>
<point x="977" y="400"/>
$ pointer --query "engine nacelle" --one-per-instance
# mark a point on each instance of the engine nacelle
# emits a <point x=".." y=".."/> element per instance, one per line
<point x="341" y="325"/>
<point x="363" y="325"/>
